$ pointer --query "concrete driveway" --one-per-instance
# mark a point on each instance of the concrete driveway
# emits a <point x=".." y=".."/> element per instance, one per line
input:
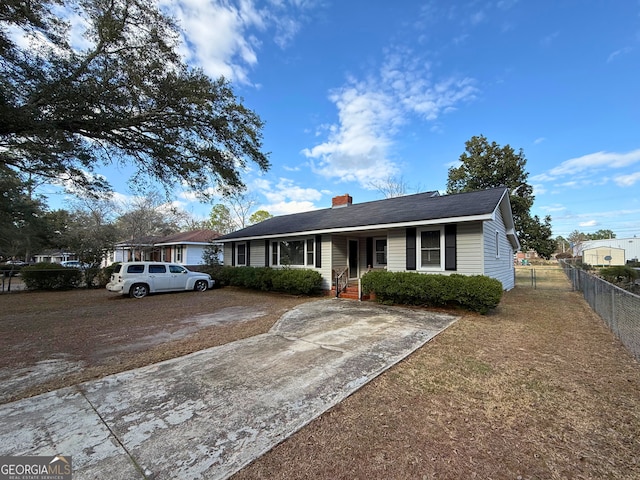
<point x="208" y="414"/>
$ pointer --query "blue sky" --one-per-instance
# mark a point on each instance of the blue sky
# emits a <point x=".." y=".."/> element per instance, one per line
<point x="353" y="92"/>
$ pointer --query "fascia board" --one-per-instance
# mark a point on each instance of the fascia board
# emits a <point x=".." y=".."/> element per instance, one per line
<point x="181" y="243"/>
<point x="365" y="228"/>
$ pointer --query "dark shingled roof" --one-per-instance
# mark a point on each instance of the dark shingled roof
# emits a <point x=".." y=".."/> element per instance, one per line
<point x="193" y="236"/>
<point x="410" y="208"/>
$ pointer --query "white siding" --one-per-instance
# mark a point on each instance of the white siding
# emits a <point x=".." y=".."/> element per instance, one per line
<point x="256" y="255"/>
<point x="325" y="258"/>
<point x="227" y="255"/>
<point x="469" y="249"/>
<point x="339" y="251"/>
<point x="501" y="267"/>
<point x="397" y="250"/>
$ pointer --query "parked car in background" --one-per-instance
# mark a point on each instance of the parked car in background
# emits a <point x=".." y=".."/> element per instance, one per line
<point x="17" y="263"/>
<point x="138" y="279"/>
<point x="75" y="264"/>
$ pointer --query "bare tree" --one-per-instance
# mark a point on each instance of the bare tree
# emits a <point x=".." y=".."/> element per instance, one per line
<point x="390" y="187"/>
<point x="241" y="204"/>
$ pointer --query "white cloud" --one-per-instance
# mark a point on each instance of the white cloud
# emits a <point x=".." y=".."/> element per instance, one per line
<point x="539" y="189"/>
<point x="627" y="180"/>
<point x="371" y="113"/>
<point x="591" y="165"/>
<point x="622" y="51"/>
<point x="286" y="197"/>
<point x="590" y="223"/>
<point x="216" y="36"/>
<point x="539" y="140"/>
<point x="596" y="160"/>
<point x="555" y="208"/>
<point x="286" y="208"/>
<point x="356" y="149"/>
<point x="286" y="189"/>
<point x="220" y="36"/>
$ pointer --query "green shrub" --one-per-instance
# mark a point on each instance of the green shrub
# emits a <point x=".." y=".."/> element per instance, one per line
<point x="103" y="275"/>
<point x="296" y="281"/>
<point x="50" y="276"/>
<point x="477" y="293"/>
<point x="619" y="274"/>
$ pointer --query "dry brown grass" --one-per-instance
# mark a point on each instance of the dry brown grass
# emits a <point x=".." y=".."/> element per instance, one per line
<point x="539" y="389"/>
<point x="98" y="333"/>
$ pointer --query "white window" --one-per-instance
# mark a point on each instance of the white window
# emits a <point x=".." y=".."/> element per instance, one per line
<point x="178" y="253"/>
<point x="380" y="252"/>
<point x="241" y="254"/>
<point x="274" y="253"/>
<point x="297" y="252"/>
<point x="497" y="244"/>
<point x="430" y="251"/>
<point x="311" y="258"/>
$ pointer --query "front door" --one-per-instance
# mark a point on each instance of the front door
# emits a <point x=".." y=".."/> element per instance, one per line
<point x="353" y="259"/>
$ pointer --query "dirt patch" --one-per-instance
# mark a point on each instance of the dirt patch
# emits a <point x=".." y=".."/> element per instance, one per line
<point x="538" y="389"/>
<point x="56" y="339"/>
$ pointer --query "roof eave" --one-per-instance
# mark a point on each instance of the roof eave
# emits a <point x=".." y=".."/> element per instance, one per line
<point x="365" y="228"/>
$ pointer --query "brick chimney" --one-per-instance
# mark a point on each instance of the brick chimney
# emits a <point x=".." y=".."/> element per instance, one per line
<point x="341" y="201"/>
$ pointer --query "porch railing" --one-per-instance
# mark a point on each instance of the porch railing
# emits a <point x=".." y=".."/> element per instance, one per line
<point x="341" y="281"/>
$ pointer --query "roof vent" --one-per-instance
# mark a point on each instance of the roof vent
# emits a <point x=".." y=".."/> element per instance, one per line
<point x="341" y="201"/>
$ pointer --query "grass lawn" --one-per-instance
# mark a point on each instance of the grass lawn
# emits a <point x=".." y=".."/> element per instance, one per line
<point x="539" y="389"/>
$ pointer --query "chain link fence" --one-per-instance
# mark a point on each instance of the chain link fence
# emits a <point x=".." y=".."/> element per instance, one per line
<point x="617" y="307"/>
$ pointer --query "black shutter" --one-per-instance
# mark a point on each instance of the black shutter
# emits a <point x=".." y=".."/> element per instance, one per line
<point x="411" y="248"/>
<point x="369" y="252"/>
<point x="266" y="253"/>
<point x="233" y="254"/>
<point x="247" y="248"/>
<point x="318" y="251"/>
<point x="450" y="235"/>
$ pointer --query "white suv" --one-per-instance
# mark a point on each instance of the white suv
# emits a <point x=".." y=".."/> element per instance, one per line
<point x="138" y="279"/>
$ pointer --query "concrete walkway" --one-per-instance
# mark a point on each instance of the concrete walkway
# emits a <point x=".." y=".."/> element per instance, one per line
<point x="208" y="414"/>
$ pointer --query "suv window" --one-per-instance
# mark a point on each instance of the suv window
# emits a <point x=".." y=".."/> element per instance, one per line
<point x="135" y="269"/>
<point x="176" y="269"/>
<point x="157" y="269"/>
<point x="117" y="268"/>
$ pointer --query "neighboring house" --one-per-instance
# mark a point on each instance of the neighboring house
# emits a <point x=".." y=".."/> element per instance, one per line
<point x="467" y="233"/>
<point x="631" y="247"/>
<point x="185" y="248"/>
<point x="603" y="256"/>
<point x="137" y="249"/>
<point x="54" y="256"/>
<point x="522" y="258"/>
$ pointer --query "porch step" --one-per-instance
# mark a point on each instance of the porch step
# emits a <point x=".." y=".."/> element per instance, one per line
<point x="351" y="293"/>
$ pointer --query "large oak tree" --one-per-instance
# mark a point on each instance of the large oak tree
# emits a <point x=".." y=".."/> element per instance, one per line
<point x="487" y="165"/>
<point x="124" y="97"/>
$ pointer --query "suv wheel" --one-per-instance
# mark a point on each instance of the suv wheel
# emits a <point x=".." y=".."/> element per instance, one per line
<point x="200" y="286"/>
<point x="138" y="290"/>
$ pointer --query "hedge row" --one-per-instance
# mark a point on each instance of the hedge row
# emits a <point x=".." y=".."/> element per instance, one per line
<point x="295" y="281"/>
<point x="475" y="293"/>
<point x="50" y="276"/>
